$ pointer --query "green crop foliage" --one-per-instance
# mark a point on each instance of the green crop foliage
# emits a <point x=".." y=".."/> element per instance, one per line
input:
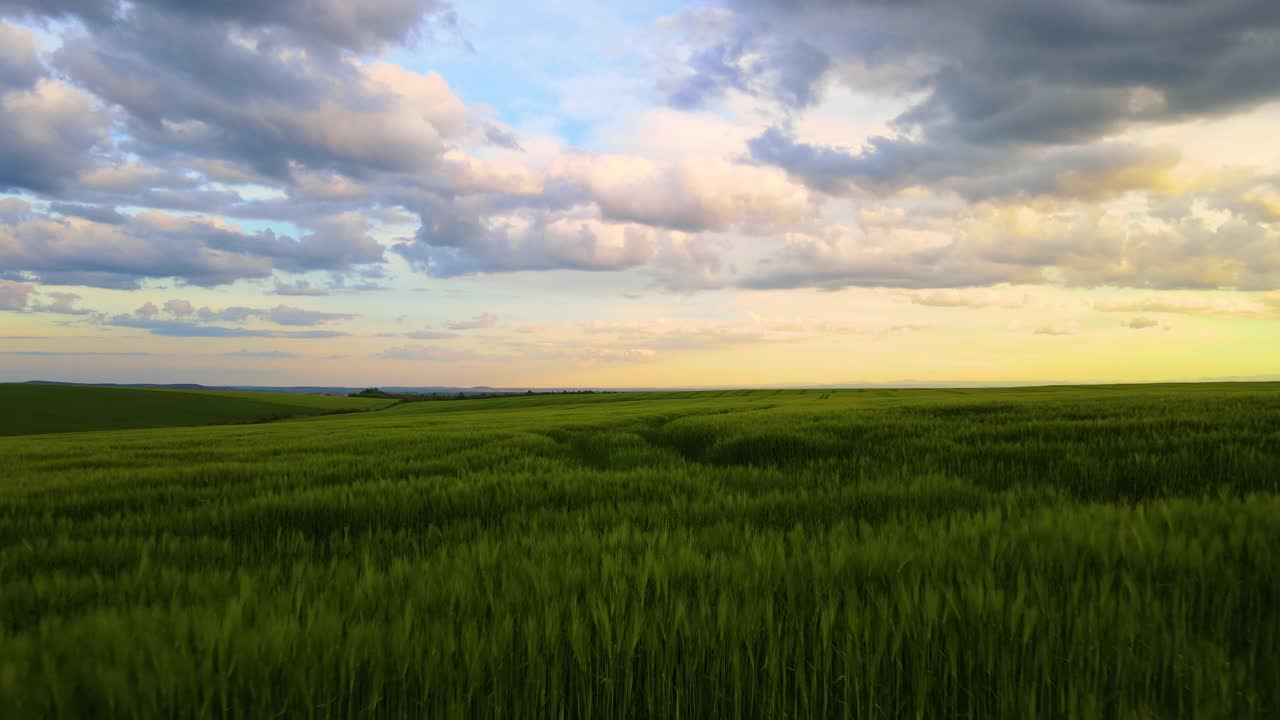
<point x="33" y="409"/>
<point x="1109" y="552"/>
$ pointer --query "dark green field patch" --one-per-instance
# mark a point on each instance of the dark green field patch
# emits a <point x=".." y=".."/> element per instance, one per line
<point x="38" y="409"/>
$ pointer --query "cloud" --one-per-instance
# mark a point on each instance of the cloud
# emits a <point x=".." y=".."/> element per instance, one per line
<point x="604" y="213"/>
<point x="104" y="214"/>
<point x="1048" y="73"/>
<point x="501" y="137"/>
<point x="448" y="246"/>
<point x="1003" y="102"/>
<point x="210" y="108"/>
<point x="179" y="318"/>
<point x="203" y="251"/>
<point x="967" y="298"/>
<point x="1142" y="323"/>
<point x="288" y="315"/>
<point x="662" y="336"/>
<point x="620" y="355"/>
<point x="63" y="303"/>
<point x="704" y="194"/>
<point x="20" y="64"/>
<point x="1245" y="307"/>
<point x="482" y="321"/>
<point x="301" y="288"/>
<point x="987" y="244"/>
<point x="975" y="172"/>
<point x="179" y="308"/>
<point x="161" y="138"/>
<point x="176" y="328"/>
<point x="264" y="354"/>
<point x="49" y="129"/>
<point x="186" y="90"/>
<point x="366" y="26"/>
<point x="48" y="125"/>
<point x="24" y="297"/>
<point x="57" y="353"/>
<point x="845" y="256"/>
<point x="428" y="335"/>
<point x="748" y="59"/>
<point x="14" y="209"/>
<point x="15" y="295"/>
<point x="425" y="353"/>
<point x="1070" y="328"/>
<point x="646" y="340"/>
<point x="237" y="112"/>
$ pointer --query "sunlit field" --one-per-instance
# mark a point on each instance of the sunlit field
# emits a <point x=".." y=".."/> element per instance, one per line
<point x="1050" y="552"/>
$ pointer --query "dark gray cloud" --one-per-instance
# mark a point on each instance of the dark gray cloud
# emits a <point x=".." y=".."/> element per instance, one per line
<point x="48" y="126"/>
<point x="172" y="328"/>
<point x="224" y="92"/>
<point x="194" y="92"/>
<point x="501" y="137"/>
<point x="335" y="243"/>
<point x="300" y="288"/>
<point x="363" y="26"/>
<point x="96" y="11"/>
<point x="20" y="64"/>
<point x="1000" y="74"/>
<point x="104" y="214"/>
<point x="790" y="72"/>
<point x="713" y="71"/>
<point x="974" y="171"/>
<point x="198" y="251"/>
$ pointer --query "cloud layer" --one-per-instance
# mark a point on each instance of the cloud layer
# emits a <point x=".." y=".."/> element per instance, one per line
<point x="935" y="152"/>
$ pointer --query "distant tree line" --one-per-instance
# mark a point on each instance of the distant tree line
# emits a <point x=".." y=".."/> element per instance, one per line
<point x="460" y="395"/>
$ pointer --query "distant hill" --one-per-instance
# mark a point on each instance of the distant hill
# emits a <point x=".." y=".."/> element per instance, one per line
<point x="304" y="389"/>
<point x="179" y="386"/>
<point x="39" y="408"/>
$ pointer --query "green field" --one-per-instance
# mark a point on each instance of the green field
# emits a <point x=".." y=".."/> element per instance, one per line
<point x="33" y="409"/>
<point x="1051" y="552"/>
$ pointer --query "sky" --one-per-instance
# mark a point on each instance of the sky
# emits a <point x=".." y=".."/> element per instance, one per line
<point x="631" y="193"/>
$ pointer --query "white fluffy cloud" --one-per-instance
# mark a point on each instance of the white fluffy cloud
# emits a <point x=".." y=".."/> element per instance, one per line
<point x="705" y="194"/>
<point x="1087" y="245"/>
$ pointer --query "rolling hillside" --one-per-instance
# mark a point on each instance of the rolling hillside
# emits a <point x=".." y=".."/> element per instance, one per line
<point x="41" y="409"/>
